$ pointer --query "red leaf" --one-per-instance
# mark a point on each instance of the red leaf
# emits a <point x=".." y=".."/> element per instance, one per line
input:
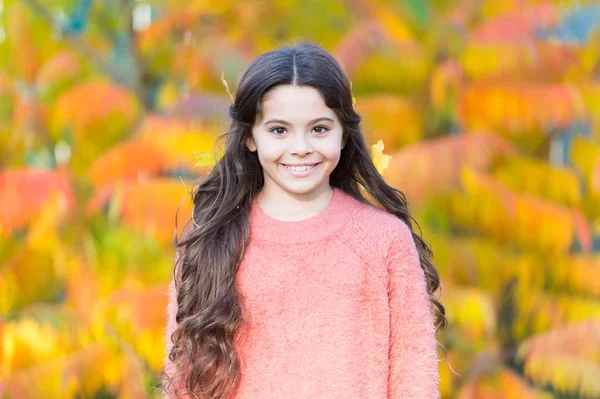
<point x="23" y="193"/>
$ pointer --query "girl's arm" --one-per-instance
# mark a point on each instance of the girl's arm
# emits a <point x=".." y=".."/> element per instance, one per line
<point x="412" y="354"/>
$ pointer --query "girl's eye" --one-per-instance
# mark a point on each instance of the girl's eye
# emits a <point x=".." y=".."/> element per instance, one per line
<point x="278" y="130"/>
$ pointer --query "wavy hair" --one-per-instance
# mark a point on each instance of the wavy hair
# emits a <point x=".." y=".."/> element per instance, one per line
<point x="209" y="312"/>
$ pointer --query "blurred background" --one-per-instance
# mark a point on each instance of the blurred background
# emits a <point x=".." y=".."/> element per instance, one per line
<point x="109" y="112"/>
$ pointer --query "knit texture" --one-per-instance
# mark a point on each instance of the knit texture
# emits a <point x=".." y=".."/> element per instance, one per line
<point x="335" y="306"/>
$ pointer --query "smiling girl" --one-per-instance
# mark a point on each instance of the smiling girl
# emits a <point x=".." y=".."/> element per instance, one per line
<point x="301" y="276"/>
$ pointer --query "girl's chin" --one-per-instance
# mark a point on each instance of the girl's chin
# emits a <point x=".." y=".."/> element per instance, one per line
<point x="300" y="187"/>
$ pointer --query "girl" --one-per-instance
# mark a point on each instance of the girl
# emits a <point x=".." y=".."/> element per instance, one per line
<point x="301" y="276"/>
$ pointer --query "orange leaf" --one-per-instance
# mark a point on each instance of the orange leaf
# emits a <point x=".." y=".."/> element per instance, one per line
<point x="517" y="26"/>
<point x="149" y="206"/>
<point x="24" y="192"/>
<point x="520" y="107"/>
<point x="380" y="115"/>
<point x="94" y="115"/>
<point x="574" y="339"/>
<point x="134" y="159"/>
<point x="368" y="37"/>
<point x="162" y="144"/>
<point x="57" y="73"/>
<point x="519" y="218"/>
<point x="497" y="383"/>
<point x="433" y="166"/>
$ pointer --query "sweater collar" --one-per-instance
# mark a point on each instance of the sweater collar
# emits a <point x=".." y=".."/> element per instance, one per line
<point x="317" y="227"/>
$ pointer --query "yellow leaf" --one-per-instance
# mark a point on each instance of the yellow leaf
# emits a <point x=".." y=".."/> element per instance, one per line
<point x="522" y="219"/>
<point x="567" y="375"/>
<point x="25" y="343"/>
<point x="380" y="160"/>
<point x="380" y="113"/>
<point x="526" y="175"/>
<point x="206" y="158"/>
<point x="168" y="95"/>
<point x="393" y="25"/>
<point x="471" y="310"/>
<point x="42" y="233"/>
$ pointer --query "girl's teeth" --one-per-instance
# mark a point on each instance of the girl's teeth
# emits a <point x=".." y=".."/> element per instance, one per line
<point x="299" y="168"/>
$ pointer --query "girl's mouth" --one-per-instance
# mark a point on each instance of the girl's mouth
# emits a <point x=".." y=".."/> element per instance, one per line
<point x="300" y="171"/>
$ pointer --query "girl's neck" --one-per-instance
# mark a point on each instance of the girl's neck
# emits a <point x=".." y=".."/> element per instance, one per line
<point x="285" y="206"/>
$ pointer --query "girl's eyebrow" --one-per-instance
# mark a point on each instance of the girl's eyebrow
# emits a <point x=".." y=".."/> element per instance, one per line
<point x="281" y="121"/>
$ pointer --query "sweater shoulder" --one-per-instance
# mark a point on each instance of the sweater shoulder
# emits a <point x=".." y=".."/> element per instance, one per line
<point x="370" y="219"/>
<point x="375" y="228"/>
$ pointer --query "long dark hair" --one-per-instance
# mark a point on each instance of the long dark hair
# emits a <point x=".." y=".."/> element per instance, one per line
<point x="209" y="311"/>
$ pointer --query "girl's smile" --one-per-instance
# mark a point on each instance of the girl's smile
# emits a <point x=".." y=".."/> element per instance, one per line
<point x="300" y="170"/>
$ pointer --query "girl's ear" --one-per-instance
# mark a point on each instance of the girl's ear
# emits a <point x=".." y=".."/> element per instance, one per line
<point x="251" y="144"/>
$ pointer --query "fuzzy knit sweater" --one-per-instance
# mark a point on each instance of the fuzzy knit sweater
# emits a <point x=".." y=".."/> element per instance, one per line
<point x="336" y="307"/>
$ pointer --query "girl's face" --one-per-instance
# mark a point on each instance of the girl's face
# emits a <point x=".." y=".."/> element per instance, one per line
<point x="298" y="140"/>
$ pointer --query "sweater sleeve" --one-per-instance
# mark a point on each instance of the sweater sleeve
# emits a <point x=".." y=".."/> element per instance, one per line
<point x="170" y="369"/>
<point x="412" y="354"/>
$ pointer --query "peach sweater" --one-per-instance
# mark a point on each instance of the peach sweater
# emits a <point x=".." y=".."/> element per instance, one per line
<point x="336" y="307"/>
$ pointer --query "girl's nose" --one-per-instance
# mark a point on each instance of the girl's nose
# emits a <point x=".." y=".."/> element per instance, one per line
<point x="301" y="145"/>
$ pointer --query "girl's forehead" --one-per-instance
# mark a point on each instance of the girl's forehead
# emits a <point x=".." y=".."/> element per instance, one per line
<point x="288" y="100"/>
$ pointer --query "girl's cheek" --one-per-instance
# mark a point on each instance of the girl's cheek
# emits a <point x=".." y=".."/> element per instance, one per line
<point x="330" y="148"/>
<point x="271" y="152"/>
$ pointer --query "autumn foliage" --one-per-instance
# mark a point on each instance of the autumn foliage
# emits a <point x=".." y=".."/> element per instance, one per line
<point x="485" y="114"/>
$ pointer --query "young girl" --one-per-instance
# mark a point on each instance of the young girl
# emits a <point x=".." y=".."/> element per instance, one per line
<point x="301" y="276"/>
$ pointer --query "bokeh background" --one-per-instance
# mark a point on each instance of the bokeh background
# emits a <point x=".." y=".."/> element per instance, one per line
<point x="110" y="110"/>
